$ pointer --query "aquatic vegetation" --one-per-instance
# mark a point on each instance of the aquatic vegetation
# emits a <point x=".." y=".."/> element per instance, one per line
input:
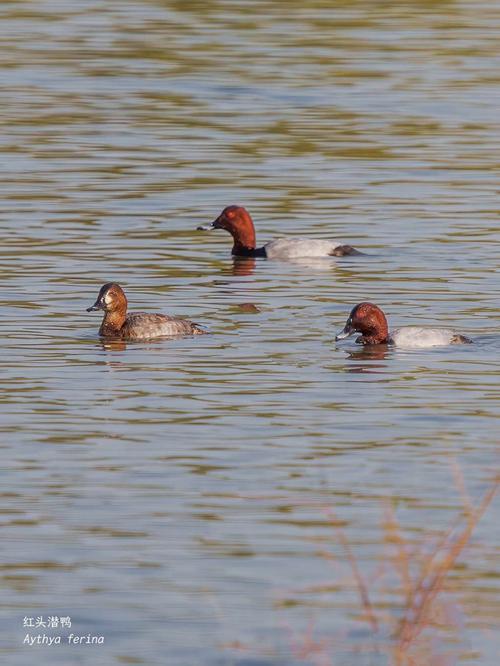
<point x="410" y="606"/>
<point x="413" y="636"/>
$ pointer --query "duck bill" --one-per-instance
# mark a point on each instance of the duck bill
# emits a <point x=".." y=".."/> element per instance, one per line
<point x="98" y="305"/>
<point x="346" y="331"/>
<point x="210" y="227"/>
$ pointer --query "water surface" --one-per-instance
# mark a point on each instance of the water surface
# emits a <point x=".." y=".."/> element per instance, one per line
<point x="182" y="498"/>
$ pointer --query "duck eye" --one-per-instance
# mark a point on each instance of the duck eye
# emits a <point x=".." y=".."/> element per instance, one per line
<point x="230" y="214"/>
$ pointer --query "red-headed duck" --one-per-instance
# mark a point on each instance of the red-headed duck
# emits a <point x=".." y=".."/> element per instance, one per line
<point x="137" y="326"/>
<point x="369" y="320"/>
<point x="238" y="222"/>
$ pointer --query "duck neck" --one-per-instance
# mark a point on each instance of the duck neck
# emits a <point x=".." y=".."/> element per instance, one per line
<point x="113" y="323"/>
<point x="373" y="339"/>
<point x="376" y="335"/>
<point x="244" y="237"/>
<point x="241" y="251"/>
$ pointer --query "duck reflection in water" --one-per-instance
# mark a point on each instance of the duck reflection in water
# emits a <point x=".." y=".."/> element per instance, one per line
<point x="112" y="345"/>
<point x="117" y="345"/>
<point x="369" y="353"/>
<point x="243" y="266"/>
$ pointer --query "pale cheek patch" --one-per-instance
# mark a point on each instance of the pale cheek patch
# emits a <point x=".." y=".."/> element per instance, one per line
<point x="108" y="299"/>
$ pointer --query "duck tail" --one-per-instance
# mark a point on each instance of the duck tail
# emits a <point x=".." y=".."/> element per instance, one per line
<point x="197" y="330"/>
<point x="345" y="251"/>
<point x="459" y="339"/>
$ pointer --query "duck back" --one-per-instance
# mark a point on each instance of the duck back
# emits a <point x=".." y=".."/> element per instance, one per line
<point x="141" y="325"/>
<point x="291" y="248"/>
<point x="414" y="337"/>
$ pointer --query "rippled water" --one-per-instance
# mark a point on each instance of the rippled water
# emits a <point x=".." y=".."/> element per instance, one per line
<point x="182" y="498"/>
